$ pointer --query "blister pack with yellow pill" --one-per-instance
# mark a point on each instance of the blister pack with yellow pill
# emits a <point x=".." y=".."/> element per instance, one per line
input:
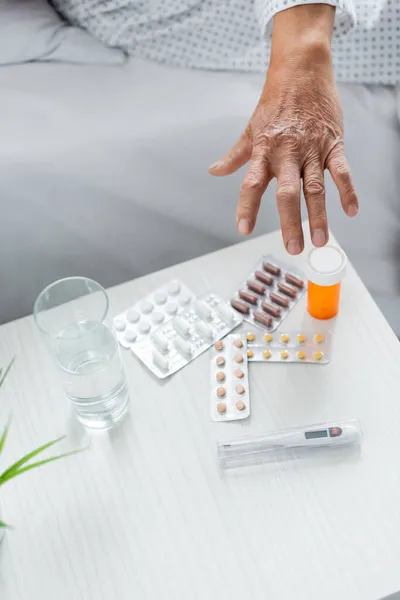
<point x="310" y="347"/>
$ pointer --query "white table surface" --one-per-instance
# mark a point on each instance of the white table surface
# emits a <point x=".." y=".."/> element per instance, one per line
<point x="145" y="513"/>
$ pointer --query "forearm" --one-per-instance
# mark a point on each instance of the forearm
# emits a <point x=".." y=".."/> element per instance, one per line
<point x="303" y="34"/>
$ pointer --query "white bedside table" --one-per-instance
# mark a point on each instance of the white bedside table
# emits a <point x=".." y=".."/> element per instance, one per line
<point x="146" y="513"/>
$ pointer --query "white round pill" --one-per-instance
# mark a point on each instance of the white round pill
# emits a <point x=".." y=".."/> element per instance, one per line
<point x="204" y="330"/>
<point x="181" y="326"/>
<point x="130" y="335"/>
<point x="171" y="308"/>
<point x="183" y="347"/>
<point x="174" y="287"/>
<point x="144" y="327"/>
<point x="160" y="297"/>
<point x="119" y="324"/>
<point x="203" y="310"/>
<point x="225" y="313"/>
<point x="185" y="299"/>
<point x="160" y="341"/>
<point x="132" y="315"/>
<point x="160" y="360"/>
<point x="157" y="318"/>
<point x="146" y="307"/>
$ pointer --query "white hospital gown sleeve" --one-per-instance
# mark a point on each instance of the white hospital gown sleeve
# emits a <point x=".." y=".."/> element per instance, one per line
<point x="345" y="18"/>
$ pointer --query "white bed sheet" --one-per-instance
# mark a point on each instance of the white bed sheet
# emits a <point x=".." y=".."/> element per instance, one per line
<point x="103" y="172"/>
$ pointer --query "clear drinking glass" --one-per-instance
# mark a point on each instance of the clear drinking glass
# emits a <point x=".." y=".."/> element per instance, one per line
<point x="73" y="315"/>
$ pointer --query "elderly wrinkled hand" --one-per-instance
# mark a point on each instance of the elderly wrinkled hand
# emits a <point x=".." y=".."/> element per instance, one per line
<point x="295" y="133"/>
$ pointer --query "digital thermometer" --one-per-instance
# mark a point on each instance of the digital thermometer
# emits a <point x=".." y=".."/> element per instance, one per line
<point x="278" y="444"/>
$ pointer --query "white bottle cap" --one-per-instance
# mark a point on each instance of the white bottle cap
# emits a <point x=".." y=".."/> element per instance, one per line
<point x="326" y="265"/>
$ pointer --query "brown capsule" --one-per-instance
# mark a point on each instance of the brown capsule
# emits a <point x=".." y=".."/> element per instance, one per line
<point x="287" y="290"/>
<point x="277" y="299"/>
<point x="271" y="310"/>
<point x="294" y="280"/>
<point x="240" y="389"/>
<point x="254" y="286"/>
<point x="262" y="318"/>
<point x="238" y="358"/>
<point x="264" y="278"/>
<point x="219" y="345"/>
<point x="239" y="373"/>
<point x="240" y="405"/>
<point x="220" y="376"/>
<point x="273" y="269"/>
<point x="238" y="343"/>
<point x="248" y="296"/>
<point x="240" y="306"/>
<point x="221" y="407"/>
<point x="220" y="361"/>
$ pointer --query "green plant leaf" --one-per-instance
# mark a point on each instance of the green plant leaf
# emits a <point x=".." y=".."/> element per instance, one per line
<point x="2" y="378"/>
<point x="4" y="435"/>
<point x="35" y="465"/>
<point x="16" y="466"/>
<point x="4" y="525"/>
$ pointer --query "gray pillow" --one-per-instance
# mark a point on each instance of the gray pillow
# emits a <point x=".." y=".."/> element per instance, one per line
<point x="32" y="30"/>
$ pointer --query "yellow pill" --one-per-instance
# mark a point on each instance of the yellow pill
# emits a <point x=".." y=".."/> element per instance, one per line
<point x="268" y="337"/>
<point x="284" y="338"/>
<point x="267" y="354"/>
<point x="250" y="353"/>
<point x="284" y="354"/>
<point x="301" y="338"/>
<point x="301" y="355"/>
<point x="251" y="337"/>
<point x="318" y="355"/>
<point x="319" y="338"/>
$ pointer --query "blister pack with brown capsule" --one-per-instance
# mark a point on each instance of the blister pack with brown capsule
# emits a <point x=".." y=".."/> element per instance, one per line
<point x="270" y="291"/>
<point x="229" y="379"/>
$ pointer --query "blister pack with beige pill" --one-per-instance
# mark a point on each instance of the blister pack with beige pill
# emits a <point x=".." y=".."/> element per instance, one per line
<point x="195" y="328"/>
<point x="310" y="347"/>
<point x="270" y="291"/>
<point x="229" y="379"/>
<point x="143" y="317"/>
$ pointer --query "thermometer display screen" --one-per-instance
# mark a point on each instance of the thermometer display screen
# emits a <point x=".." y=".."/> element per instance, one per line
<point x="312" y="435"/>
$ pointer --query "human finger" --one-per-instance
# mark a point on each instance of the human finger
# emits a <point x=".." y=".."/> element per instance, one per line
<point x="288" y="201"/>
<point x="235" y="158"/>
<point x="253" y="187"/>
<point x="340" y="173"/>
<point x="314" y="194"/>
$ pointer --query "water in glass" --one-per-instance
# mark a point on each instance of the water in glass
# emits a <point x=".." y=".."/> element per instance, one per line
<point x="94" y="379"/>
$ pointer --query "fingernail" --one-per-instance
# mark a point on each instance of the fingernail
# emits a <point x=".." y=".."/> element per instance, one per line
<point x="216" y="165"/>
<point x="352" y="210"/>
<point x="319" y="237"/>
<point x="293" y="247"/>
<point x="243" y="226"/>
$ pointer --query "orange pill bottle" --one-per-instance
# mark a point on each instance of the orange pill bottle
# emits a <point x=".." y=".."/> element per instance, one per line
<point x="325" y="270"/>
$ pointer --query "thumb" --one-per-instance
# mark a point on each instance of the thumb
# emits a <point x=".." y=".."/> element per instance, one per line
<point x="237" y="156"/>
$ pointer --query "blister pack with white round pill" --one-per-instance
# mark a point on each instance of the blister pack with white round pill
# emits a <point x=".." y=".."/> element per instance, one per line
<point x="269" y="292"/>
<point x="146" y="315"/>
<point x="310" y="347"/>
<point x="193" y="330"/>
<point x="229" y="379"/>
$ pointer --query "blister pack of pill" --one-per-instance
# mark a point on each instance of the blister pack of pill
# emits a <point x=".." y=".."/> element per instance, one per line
<point x="142" y="318"/>
<point x="297" y="346"/>
<point x="269" y="292"/>
<point x="182" y="339"/>
<point x="229" y="379"/>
